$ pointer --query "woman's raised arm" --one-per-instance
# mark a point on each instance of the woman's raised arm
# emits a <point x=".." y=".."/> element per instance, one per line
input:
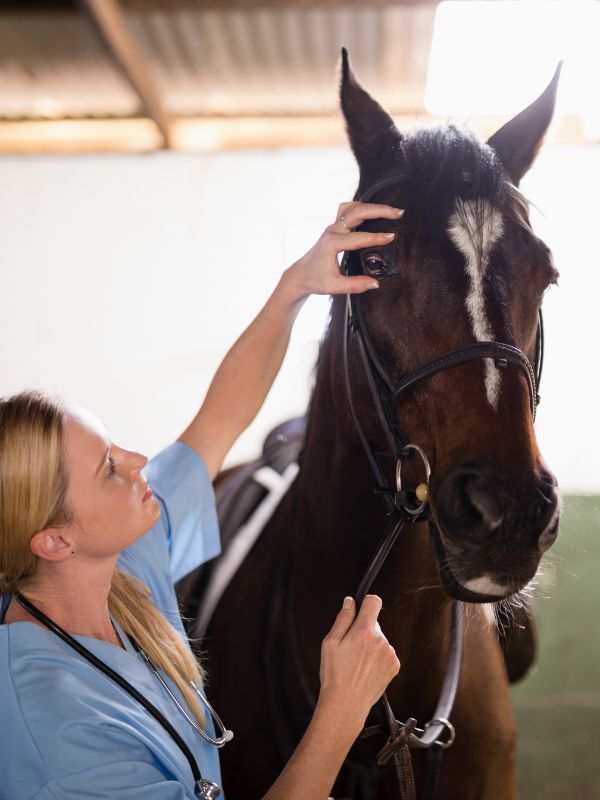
<point x="247" y="372"/>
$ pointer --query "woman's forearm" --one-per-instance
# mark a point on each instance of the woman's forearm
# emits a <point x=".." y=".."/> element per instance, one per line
<point x="316" y="762"/>
<point x="245" y="376"/>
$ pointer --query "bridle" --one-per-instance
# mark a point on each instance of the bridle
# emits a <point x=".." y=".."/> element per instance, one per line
<point x="406" y="506"/>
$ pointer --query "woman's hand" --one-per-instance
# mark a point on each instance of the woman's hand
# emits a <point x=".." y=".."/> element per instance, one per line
<point x="318" y="271"/>
<point x="357" y="662"/>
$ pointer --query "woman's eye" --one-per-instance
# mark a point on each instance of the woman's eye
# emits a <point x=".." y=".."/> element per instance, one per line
<point x="111" y="467"/>
<point x="375" y="265"/>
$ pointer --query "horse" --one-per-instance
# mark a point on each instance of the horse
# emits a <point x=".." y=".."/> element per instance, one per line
<point x="465" y="274"/>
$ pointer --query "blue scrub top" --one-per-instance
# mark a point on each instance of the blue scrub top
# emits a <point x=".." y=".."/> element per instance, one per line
<point x="67" y="731"/>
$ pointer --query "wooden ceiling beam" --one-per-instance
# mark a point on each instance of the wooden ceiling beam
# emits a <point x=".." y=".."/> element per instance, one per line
<point x="48" y="6"/>
<point x="273" y="5"/>
<point x="212" y="135"/>
<point x="69" y="137"/>
<point x="110" y="20"/>
<point x="37" y="6"/>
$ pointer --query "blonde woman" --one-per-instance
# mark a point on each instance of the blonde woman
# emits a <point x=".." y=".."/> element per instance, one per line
<point x="98" y="686"/>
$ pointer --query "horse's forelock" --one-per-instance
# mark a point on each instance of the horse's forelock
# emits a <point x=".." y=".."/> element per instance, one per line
<point x="446" y="162"/>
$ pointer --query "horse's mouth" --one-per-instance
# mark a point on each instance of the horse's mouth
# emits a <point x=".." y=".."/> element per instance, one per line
<point x="481" y="589"/>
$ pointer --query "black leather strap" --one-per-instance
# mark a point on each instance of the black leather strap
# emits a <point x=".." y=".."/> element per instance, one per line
<point x="395" y="524"/>
<point x="496" y="350"/>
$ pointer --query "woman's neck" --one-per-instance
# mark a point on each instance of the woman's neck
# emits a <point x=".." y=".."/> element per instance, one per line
<point x="76" y="599"/>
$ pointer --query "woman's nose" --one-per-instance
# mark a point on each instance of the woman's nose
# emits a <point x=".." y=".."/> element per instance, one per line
<point x="139" y="461"/>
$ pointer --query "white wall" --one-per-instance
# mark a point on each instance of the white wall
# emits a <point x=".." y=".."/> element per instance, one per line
<point x="125" y="279"/>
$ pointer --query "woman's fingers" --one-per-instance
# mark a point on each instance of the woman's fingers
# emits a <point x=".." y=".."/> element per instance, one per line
<point x="318" y="272"/>
<point x="360" y="240"/>
<point x="343" y="621"/>
<point x="356" y="284"/>
<point x="369" y="610"/>
<point x="357" y="661"/>
<point x="351" y="215"/>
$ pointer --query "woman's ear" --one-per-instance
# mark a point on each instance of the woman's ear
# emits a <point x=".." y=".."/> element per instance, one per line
<point x="52" y="544"/>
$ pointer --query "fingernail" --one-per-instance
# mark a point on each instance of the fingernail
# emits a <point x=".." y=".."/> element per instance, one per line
<point x="399" y="211"/>
<point x="347" y="602"/>
<point x="389" y="235"/>
<point x="373" y="286"/>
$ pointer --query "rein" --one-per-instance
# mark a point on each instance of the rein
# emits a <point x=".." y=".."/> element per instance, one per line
<point x="413" y="506"/>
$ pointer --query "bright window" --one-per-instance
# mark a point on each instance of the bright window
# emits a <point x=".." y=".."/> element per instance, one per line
<point x="495" y="57"/>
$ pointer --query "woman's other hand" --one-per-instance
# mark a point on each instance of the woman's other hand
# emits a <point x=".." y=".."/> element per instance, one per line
<point x="357" y="662"/>
<point x="318" y="271"/>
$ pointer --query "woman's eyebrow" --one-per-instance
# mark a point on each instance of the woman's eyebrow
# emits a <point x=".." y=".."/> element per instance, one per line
<point x="106" y="452"/>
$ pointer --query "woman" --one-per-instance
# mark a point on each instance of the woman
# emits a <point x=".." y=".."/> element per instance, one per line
<point x="89" y="549"/>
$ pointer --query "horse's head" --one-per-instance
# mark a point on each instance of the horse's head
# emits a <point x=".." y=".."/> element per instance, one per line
<point x="465" y="267"/>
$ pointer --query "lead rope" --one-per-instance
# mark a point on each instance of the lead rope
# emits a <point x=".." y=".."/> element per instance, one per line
<point x="396" y="747"/>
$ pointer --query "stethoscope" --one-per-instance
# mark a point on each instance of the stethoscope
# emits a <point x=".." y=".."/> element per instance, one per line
<point x="205" y="790"/>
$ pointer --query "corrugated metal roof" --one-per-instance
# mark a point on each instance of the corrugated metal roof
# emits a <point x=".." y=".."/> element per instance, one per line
<point x="211" y="62"/>
<point x="200" y="75"/>
<point x="55" y="65"/>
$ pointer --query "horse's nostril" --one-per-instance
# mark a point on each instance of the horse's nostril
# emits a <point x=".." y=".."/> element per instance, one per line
<point x="548" y="537"/>
<point x="480" y="493"/>
<point x="547" y="497"/>
<point x="547" y="478"/>
<point x="545" y="523"/>
<point x="470" y="504"/>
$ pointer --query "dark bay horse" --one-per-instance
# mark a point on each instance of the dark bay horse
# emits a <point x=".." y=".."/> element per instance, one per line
<point x="465" y="267"/>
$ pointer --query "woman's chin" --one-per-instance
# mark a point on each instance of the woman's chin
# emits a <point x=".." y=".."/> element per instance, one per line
<point x="149" y="517"/>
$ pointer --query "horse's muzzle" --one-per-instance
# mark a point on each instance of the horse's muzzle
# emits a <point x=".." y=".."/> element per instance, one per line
<point x="490" y="537"/>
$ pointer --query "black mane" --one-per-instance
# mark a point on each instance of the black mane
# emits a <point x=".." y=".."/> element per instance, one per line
<point x="442" y="163"/>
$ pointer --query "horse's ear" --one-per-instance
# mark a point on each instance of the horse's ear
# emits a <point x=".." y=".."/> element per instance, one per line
<point x="369" y="127"/>
<point x="518" y="142"/>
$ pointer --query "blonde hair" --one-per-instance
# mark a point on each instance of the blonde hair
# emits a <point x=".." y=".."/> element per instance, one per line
<point x="33" y="496"/>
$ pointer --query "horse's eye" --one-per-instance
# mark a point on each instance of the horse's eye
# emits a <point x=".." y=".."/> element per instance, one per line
<point x="375" y="265"/>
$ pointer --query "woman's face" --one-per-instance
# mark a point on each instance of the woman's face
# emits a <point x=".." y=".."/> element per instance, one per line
<point x="106" y="488"/>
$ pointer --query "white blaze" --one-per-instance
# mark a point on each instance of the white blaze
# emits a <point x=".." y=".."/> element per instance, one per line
<point x="474" y="227"/>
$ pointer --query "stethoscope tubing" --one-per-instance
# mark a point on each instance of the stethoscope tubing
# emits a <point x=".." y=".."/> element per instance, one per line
<point x="219" y="741"/>
<point x="123" y="683"/>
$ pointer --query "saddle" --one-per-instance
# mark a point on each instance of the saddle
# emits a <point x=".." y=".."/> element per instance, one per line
<point x="246" y="496"/>
<point x="238" y="492"/>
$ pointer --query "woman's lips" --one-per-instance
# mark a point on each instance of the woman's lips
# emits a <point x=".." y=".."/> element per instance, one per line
<point x="147" y="494"/>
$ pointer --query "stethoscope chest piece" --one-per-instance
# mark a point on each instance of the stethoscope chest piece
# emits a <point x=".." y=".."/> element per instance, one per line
<point x="206" y="790"/>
